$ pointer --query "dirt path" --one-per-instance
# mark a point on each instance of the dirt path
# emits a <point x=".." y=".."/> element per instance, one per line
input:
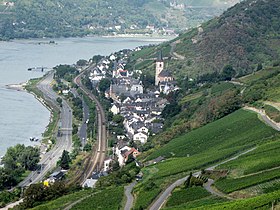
<point x="173" y="53"/>
<point x="208" y="186"/>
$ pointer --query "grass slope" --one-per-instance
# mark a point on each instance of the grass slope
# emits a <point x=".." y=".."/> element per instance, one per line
<point x="266" y="156"/>
<point x="259" y="202"/>
<point x="108" y="199"/>
<point x="231" y="185"/>
<point x="202" y="147"/>
<point x="241" y="128"/>
<point x="64" y="201"/>
<point x="181" y="196"/>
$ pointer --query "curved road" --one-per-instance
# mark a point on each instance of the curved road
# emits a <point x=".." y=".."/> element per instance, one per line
<point x="265" y="118"/>
<point x="98" y="155"/>
<point x="129" y="196"/>
<point x="160" y="201"/>
<point x="64" y="141"/>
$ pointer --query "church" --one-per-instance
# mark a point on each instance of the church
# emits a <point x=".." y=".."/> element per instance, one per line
<point x="162" y="76"/>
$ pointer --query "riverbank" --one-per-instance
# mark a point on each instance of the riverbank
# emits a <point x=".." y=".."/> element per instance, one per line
<point x="154" y="36"/>
<point x="48" y="134"/>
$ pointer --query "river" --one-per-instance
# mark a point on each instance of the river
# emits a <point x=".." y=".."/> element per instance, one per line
<point x="21" y="115"/>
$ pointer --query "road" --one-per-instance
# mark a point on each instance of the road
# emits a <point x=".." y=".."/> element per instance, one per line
<point x="64" y="141"/>
<point x="160" y="201"/>
<point x="265" y="118"/>
<point x="83" y="128"/>
<point x="99" y="153"/>
<point x="129" y="196"/>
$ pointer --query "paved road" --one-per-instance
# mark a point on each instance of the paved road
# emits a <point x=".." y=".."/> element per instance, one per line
<point x="83" y="128"/>
<point x="129" y="196"/>
<point x="208" y="186"/>
<point x="160" y="201"/>
<point x="64" y="142"/>
<point x="265" y="118"/>
<point x="98" y="155"/>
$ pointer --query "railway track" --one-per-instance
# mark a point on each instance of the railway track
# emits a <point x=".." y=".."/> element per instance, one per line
<point x="98" y="154"/>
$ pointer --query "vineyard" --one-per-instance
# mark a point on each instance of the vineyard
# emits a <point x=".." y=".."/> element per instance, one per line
<point x="231" y="185"/>
<point x="197" y="203"/>
<point x="181" y="196"/>
<point x="255" y="161"/>
<point x="107" y="199"/>
<point x="263" y="202"/>
<point x="64" y="201"/>
<point x="241" y="128"/>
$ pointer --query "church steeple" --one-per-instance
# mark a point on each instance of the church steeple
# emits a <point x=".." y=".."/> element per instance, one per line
<point x="159" y="67"/>
<point x="160" y="59"/>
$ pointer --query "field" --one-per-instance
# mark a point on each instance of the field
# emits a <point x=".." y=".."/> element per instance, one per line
<point x="231" y="185"/>
<point x="258" y="75"/>
<point x="197" y="203"/>
<point x="181" y="196"/>
<point x="260" y="202"/>
<point x="191" y="97"/>
<point x="64" y="201"/>
<point x="108" y="199"/>
<point x="241" y="129"/>
<point x="221" y="87"/>
<point x="145" y="197"/>
<point x="255" y="161"/>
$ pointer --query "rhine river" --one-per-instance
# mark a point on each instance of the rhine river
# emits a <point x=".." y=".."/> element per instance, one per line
<point x="21" y="115"/>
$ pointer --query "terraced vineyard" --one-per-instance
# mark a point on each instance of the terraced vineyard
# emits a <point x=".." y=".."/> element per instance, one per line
<point x="107" y="199"/>
<point x="205" y="146"/>
<point x="64" y="201"/>
<point x="241" y="129"/>
<point x="260" y="202"/>
<point x="255" y="161"/>
<point x="197" y="203"/>
<point x="231" y="185"/>
<point x="182" y="196"/>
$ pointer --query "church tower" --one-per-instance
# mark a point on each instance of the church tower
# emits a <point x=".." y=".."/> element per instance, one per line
<point x="159" y="67"/>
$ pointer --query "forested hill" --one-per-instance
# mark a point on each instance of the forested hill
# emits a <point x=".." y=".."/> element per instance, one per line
<point x="246" y="35"/>
<point x="54" y="18"/>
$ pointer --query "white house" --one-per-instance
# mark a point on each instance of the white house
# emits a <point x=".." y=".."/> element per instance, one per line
<point x="112" y="57"/>
<point x="141" y="136"/>
<point x="89" y="183"/>
<point x="119" y="154"/>
<point x="143" y="129"/>
<point x="137" y="88"/>
<point x="107" y="163"/>
<point x="115" y="109"/>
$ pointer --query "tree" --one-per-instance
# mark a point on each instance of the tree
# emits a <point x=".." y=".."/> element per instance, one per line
<point x="104" y="84"/>
<point x="33" y="194"/>
<point x="118" y="119"/>
<point x="259" y="67"/>
<point x="81" y="62"/>
<point x="115" y="166"/>
<point x="30" y="157"/>
<point x="59" y="101"/>
<point x="65" y="160"/>
<point x="228" y="72"/>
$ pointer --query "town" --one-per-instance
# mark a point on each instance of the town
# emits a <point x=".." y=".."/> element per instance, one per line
<point x="136" y="108"/>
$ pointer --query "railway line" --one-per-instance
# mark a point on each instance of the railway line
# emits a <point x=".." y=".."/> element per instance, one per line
<point x="98" y="154"/>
